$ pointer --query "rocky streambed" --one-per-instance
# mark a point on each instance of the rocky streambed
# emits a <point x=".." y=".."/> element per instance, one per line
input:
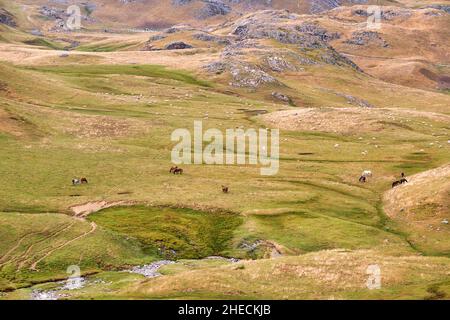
<point x="55" y="294"/>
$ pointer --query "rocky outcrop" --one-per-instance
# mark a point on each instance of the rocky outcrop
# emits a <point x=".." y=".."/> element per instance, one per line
<point x="213" y="8"/>
<point x="386" y="14"/>
<point x="52" y="13"/>
<point x="363" y="38"/>
<point x="211" y="38"/>
<point x="248" y="35"/>
<point x="217" y="67"/>
<point x="178" y="45"/>
<point x="317" y="31"/>
<point x="310" y="45"/>
<point x="60" y="16"/>
<point x="269" y="26"/>
<point x="391" y="14"/>
<point x="278" y="63"/>
<point x="282" y="97"/>
<point x="7" y="18"/>
<point x="243" y="74"/>
<point x="319" y="6"/>
<point x="181" y="2"/>
<point x="288" y="35"/>
<point x="445" y="8"/>
<point x="248" y="75"/>
<point x="356" y="101"/>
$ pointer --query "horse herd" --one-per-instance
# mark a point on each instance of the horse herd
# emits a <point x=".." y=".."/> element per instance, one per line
<point x="178" y="171"/>
<point x="77" y="181"/>
<point x="368" y="174"/>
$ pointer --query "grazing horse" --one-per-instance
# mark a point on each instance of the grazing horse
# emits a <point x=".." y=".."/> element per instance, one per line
<point x="178" y="171"/>
<point x="362" y="179"/>
<point x="399" y="182"/>
<point x="173" y="169"/>
<point x="367" y="173"/>
<point x="83" y="180"/>
<point x="225" y="189"/>
<point x="76" y="181"/>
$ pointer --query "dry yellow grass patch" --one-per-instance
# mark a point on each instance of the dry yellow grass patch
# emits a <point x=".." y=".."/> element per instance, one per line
<point x="427" y="189"/>
<point x="344" y="120"/>
<point x="324" y="274"/>
<point x="34" y="56"/>
<point x="422" y="206"/>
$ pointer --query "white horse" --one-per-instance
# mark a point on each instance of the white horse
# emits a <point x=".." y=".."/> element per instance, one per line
<point x="76" y="181"/>
<point x="367" y="173"/>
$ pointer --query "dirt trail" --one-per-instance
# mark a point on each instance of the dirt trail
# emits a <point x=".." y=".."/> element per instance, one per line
<point x="80" y="212"/>
<point x="83" y="210"/>
<point x="19" y="242"/>
<point x="93" y="228"/>
<point x="25" y="258"/>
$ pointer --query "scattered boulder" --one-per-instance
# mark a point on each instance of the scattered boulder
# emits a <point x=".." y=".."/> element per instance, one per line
<point x="178" y="45"/>
<point x="282" y="97"/>
<point x="36" y="32"/>
<point x="157" y="37"/>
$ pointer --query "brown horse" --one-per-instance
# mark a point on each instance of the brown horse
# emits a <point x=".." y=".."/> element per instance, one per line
<point x="225" y="189"/>
<point x="397" y="183"/>
<point x="178" y="171"/>
<point x="83" y="180"/>
<point x="173" y="169"/>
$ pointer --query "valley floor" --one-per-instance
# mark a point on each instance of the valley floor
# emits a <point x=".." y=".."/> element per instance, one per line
<point x="310" y="232"/>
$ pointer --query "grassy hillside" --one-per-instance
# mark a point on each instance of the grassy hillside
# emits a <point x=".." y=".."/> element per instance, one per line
<point x="105" y="110"/>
